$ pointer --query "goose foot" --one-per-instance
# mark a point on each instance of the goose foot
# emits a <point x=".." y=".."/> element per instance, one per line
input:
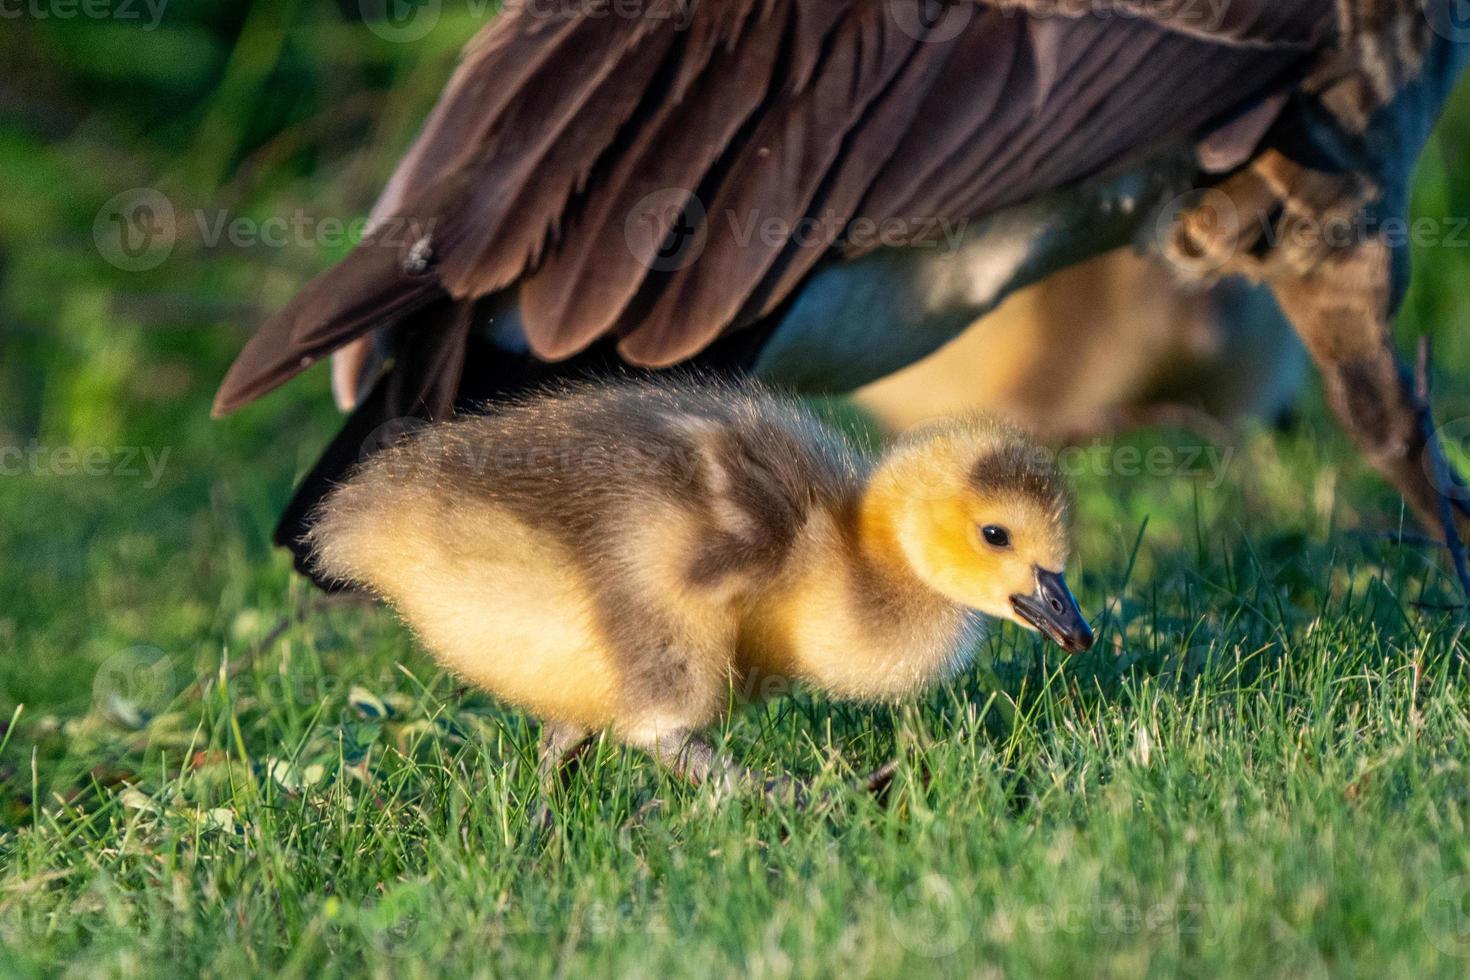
<point x="1448" y="482"/>
<point x="692" y="758"/>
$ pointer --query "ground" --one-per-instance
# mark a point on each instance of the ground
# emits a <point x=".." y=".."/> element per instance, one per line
<point x="1263" y="769"/>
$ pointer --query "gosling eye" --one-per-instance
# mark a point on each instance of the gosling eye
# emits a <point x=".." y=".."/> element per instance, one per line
<point x="996" y="536"/>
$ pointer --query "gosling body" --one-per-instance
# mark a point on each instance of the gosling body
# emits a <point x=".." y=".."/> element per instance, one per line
<point x="623" y="557"/>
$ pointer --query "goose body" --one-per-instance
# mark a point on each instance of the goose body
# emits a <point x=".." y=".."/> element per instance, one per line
<point x="623" y="557"/>
<point x="755" y="186"/>
<point x="818" y="193"/>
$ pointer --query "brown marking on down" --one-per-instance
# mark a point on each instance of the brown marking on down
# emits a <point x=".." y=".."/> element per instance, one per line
<point x="1016" y="468"/>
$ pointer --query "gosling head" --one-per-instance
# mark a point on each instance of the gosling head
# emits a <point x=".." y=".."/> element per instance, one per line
<point x="979" y="514"/>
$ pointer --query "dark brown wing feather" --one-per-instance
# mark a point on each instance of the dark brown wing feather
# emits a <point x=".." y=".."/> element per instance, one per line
<point x="784" y="112"/>
<point x="581" y="290"/>
<point x="367" y="290"/>
<point x="512" y="195"/>
<point x="775" y="181"/>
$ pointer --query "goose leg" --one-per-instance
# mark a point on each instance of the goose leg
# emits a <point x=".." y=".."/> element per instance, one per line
<point x="1343" y="311"/>
<point x="1302" y="231"/>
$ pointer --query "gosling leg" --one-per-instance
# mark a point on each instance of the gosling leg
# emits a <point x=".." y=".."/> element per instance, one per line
<point x="557" y="758"/>
<point x="689" y="756"/>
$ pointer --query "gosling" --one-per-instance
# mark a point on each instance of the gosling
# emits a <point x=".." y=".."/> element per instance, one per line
<point x="613" y="558"/>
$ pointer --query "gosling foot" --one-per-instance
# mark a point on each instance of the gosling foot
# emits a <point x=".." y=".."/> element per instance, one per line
<point x="691" y="757"/>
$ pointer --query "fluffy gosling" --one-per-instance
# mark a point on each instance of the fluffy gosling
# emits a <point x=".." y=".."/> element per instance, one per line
<point x="616" y="557"/>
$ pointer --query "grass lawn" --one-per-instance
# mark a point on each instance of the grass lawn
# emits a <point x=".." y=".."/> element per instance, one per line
<point x="1262" y="770"/>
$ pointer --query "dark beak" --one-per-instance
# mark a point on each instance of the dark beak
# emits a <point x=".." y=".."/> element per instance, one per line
<point x="1053" y="611"/>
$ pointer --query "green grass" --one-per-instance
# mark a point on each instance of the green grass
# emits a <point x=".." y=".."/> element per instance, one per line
<point x="1263" y="770"/>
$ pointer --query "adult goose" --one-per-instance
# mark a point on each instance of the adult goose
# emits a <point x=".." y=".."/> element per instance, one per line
<point x="823" y="191"/>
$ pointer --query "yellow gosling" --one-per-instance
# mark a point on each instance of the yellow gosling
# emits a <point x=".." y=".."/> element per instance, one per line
<point x="616" y="557"/>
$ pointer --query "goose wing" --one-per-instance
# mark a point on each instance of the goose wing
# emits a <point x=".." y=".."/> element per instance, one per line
<point x="667" y="176"/>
